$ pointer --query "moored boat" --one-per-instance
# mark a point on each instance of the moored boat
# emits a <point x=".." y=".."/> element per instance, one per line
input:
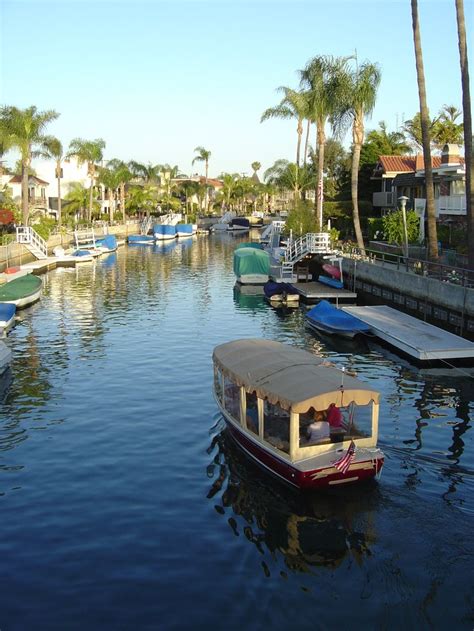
<point x="141" y="239"/>
<point x="7" y="315"/>
<point x="107" y="243"/>
<point x="185" y="229"/>
<point x="239" y="224"/>
<point x="327" y="318"/>
<point x="164" y="232"/>
<point x="281" y="293"/>
<point x="251" y="265"/>
<point x="22" y="291"/>
<point x="303" y="420"/>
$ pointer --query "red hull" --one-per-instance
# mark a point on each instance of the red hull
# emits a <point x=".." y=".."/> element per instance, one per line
<point x="303" y="479"/>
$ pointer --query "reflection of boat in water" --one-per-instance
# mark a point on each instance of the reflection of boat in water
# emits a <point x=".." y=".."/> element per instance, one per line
<point x="298" y="417"/>
<point x="307" y="530"/>
<point x="249" y="297"/>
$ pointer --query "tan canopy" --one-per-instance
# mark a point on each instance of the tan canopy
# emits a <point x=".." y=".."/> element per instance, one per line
<point x="289" y="376"/>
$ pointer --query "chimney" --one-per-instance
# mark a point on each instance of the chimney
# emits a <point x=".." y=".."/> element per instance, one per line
<point x="450" y="154"/>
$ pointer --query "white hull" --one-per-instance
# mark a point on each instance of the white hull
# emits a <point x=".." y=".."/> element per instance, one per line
<point x="165" y="237"/>
<point x="27" y="300"/>
<point x="253" y="279"/>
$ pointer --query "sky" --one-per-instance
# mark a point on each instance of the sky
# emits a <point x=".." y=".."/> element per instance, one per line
<point x="157" y="78"/>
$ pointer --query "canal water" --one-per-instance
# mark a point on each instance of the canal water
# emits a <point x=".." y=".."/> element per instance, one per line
<point x="124" y="505"/>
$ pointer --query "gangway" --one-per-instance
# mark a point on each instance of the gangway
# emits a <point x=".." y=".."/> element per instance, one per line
<point x="32" y="241"/>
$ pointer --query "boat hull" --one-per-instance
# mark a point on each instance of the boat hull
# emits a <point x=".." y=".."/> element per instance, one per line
<point x="318" y="326"/>
<point x="319" y="477"/>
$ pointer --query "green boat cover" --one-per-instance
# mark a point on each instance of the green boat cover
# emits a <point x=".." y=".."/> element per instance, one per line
<point x="251" y="261"/>
<point x="20" y="288"/>
<point x="257" y="246"/>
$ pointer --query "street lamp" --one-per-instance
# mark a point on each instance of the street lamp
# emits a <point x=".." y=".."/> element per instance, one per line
<point x="403" y="202"/>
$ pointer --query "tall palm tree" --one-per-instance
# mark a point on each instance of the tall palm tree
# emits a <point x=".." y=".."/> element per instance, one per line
<point x="317" y="80"/>
<point x="124" y="176"/>
<point x="467" y="119"/>
<point x="91" y="153"/>
<point x="294" y="104"/>
<point x="110" y="178"/>
<point x="425" y="132"/>
<point x="387" y="143"/>
<point x="203" y="156"/>
<point x="357" y="91"/>
<point x="53" y="150"/>
<point x="148" y="172"/>
<point x="24" y="130"/>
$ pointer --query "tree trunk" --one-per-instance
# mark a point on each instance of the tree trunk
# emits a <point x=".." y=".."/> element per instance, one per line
<point x="24" y="190"/>
<point x="58" y="175"/>
<point x="425" y="131"/>
<point x="206" y="202"/>
<point x="89" y="212"/>
<point x="111" y="204"/>
<point x="357" y="141"/>
<point x="299" y="131"/>
<point x="306" y="142"/>
<point x="122" y="201"/>
<point x="321" y="141"/>
<point x="467" y="120"/>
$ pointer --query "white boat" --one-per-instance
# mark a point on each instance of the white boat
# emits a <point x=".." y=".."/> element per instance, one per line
<point x="277" y="403"/>
<point x="5" y="357"/>
<point x="21" y="291"/>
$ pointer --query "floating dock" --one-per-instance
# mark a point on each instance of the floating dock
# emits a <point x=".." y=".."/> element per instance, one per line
<point x="313" y="290"/>
<point x="416" y="338"/>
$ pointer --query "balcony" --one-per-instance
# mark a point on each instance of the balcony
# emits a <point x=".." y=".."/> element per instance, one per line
<point x="450" y="205"/>
<point x="383" y="199"/>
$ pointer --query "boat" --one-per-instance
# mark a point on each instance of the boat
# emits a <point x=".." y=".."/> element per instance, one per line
<point x="106" y="244"/>
<point x="251" y="266"/>
<point x="239" y="223"/>
<point x="7" y="315"/>
<point x="164" y="232"/>
<point x="5" y="357"/>
<point x="327" y="318"/>
<point x="22" y="291"/>
<point x="141" y="239"/>
<point x="332" y="276"/>
<point x="281" y="293"/>
<point x="185" y="229"/>
<point x="273" y="396"/>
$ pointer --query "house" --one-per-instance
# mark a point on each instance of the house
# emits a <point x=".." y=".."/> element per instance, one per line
<point x="37" y="187"/>
<point x="405" y="176"/>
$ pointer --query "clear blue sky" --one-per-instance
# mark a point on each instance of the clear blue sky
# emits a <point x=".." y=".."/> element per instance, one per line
<point x="155" y="78"/>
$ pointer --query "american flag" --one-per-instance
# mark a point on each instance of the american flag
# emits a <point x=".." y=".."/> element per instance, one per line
<point x="345" y="460"/>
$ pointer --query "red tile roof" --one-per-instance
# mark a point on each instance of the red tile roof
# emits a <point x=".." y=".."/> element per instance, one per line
<point x="406" y="164"/>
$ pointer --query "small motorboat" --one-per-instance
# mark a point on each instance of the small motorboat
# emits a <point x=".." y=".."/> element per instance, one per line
<point x="281" y="294"/>
<point x="106" y="244"/>
<point x="332" y="273"/>
<point x="277" y="401"/>
<point x="185" y="230"/>
<point x="327" y="318"/>
<point x="251" y="265"/>
<point x="22" y="291"/>
<point x="7" y="315"/>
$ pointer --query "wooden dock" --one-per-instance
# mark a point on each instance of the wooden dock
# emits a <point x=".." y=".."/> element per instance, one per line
<point x="312" y="291"/>
<point x="416" y="338"/>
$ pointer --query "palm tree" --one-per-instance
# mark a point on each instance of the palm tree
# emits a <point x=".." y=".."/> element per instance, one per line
<point x="110" y="178"/>
<point x="294" y="104"/>
<point x="256" y="166"/>
<point x="288" y="176"/>
<point x="124" y="176"/>
<point x="23" y="130"/>
<point x="467" y="119"/>
<point x="91" y="153"/>
<point x="317" y="79"/>
<point x="425" y="132"/>
<point x="358" y="92"/>
<point x="76" y="199"/>
<point x="203" y="156"/>
<point x="387" y="143"/>
<point x="148" y="172"/>
<point x="53" y="150"/>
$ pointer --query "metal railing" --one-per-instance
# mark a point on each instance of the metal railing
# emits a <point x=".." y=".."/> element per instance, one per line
<point x="36" y="244"/>
<point x="311" y="243"/>
<point x="439" y="271"/>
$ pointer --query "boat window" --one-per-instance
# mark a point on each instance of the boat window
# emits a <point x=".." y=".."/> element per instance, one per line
<point x="317" y="427"/>
<point x="232" y="399"/>
<point x="358" y="420"/>
<point x="218" y="384"/>
<point x="314" y="428"/>
<point x="252" y="411"/>
<point x="276" y="426"/>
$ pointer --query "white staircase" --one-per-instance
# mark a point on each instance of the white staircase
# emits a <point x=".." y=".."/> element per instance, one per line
<point x="311" y="243"/>
<point x="146" y="225"/>
<point x="171" y="219"/>
<point x="32" y="241"/>
<point x="85" y="240"/>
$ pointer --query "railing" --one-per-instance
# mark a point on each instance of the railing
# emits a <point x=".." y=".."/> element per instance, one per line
<point x="146" y="225"/>
<point x="439" y="271"/>
<point x="451" y="205"/>
<point x="27" y="236"/>
<point x="311" y="243"/>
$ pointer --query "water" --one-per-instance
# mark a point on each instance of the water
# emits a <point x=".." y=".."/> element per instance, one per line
<point x="125" y="506"/>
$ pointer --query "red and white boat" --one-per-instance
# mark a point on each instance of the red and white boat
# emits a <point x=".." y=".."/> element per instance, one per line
<point x="271" y="393"/>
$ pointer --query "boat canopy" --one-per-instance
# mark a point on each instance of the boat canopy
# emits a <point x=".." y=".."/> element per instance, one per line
<point x="250" y="244"/>
<point x="290" y="377"/>
<point x="251" y="261"/>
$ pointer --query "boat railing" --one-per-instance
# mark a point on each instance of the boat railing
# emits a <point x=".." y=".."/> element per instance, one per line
<point x="35" y="243"/>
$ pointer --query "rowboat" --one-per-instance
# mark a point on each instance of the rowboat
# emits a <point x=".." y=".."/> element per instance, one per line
<point x="276" y="400"/>
<point x="22" y="291"/>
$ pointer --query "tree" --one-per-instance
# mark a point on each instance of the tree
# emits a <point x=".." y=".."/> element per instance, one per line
<point x="425" y="133"/>
<point x="24" y="130"/>
<point x="76" y="200"/>
<point x="387" y="143"/>
<point x="91" y="153"/>
<point x="357" y="93"/>
<point x="203" y="156"/>
<point x="111" y="180"/>
<point x="288" y="176"/>
<point x="466" y="103"/>
<point x="446" y="130"/>
<point x="317" y="79"/>
<point x="294" y="104"/>
<point x="124" y="175"/>
<point x="53" y="150"/>
<point x="148" y="172"/>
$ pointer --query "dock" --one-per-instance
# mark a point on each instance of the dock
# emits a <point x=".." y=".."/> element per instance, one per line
<point x="416" y="338"/>
<point x="313" y="290"/>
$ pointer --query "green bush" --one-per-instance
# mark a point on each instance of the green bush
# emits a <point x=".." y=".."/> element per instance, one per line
<point x="393" y="227"/>
<point x="375" y="229"/>
<point x="44" y="227"/>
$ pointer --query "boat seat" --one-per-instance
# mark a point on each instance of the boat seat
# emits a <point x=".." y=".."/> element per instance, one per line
<point x="303" y="273"/>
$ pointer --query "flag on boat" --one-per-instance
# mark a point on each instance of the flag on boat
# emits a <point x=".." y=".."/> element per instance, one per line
<point x="345" y="460"/>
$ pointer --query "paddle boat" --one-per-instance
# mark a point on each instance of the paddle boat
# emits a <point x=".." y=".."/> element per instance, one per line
<point x="251" y="265"/>
<point x="164" y="232"/>
<point x="305" y="421"/>
<point x="5" y="357"/>
<point x="281" y="294"/>
<point x="22" y="291"/>
<point x="327" y="318"/>
<point x="7" y="315"/>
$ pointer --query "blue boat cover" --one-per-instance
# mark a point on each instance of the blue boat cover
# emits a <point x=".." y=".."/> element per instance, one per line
<point x="110" y="242"/>
<point x="330" y="317"/>
<point x="243" y="222"/>
<point x="164" y="229"/>
<point x="133" y="238"/>
<point x="184" y="228"/>
<point x="274" y="289"/>
<point x="7" y="311"/>
<point x="331" y="282"/>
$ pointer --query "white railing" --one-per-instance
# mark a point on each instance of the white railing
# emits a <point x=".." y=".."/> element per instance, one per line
<point x="311" y="243"/>
<point x="146" y="225"/>
<point x="37" y="245"/>
<point x="451" y="205"/>
<point x="84" y="240"/>
<point x="382" y="198"/>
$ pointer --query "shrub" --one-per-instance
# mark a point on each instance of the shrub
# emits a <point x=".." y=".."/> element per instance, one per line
<point x="393" y="227"/>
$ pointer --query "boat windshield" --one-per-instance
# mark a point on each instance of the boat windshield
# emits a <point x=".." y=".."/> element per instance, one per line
<point x="335" y="424"/>
<point x="276" y="426"/>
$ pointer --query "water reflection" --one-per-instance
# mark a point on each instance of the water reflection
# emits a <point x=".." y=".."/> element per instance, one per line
<point x="306" y="530"/>
<point x="249" y="297"/>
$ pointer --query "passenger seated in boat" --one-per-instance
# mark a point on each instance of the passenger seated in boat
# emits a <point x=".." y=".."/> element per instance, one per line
<point x="334" y="417"/>
<point x="318" y="431"/>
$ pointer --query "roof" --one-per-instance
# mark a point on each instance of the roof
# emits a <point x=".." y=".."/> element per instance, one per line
<point x="405" y="164"/>
<point x="16" y="179"/>
<point x="295" y="379"/>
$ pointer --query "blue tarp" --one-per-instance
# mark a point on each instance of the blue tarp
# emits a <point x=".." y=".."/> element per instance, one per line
<point x="110" y="242"/>
<point x="334" y="320"/>
<point x="164" y="230"/>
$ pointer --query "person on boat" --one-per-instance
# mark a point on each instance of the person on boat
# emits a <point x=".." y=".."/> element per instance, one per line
<point x="334" y="417"/>
<point x="319" y="429"/>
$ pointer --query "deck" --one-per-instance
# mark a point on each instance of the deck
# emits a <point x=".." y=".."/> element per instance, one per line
<point x="416" y="338"/>
<point x="314" y="290"/>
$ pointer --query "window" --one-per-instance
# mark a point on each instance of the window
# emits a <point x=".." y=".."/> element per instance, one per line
<point x="232" y="399"/>
<point x="276" y="426"/>
<point x="358" y="420"/>
<point x="313" y="428"/>
<point x="251" y="401"/>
